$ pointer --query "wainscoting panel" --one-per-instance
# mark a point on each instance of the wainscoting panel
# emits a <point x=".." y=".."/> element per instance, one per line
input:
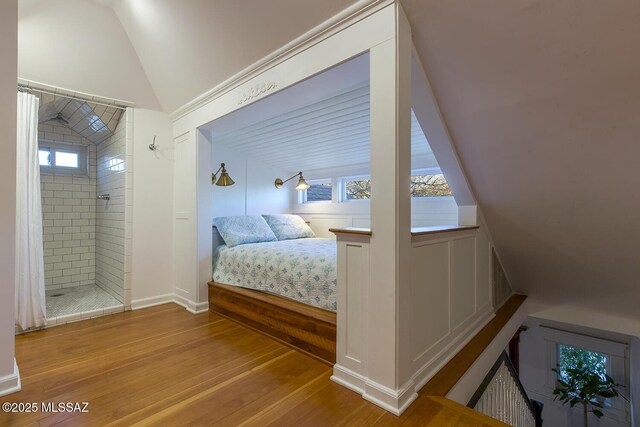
<point x="463" y="285"/>
<point x="430" y="285"/>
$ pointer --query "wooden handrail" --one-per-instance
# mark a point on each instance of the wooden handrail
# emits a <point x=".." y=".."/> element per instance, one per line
<point x="442" y="382"/>
<point x="351" y="230"/>
<point x="416" y="231"/>
<point x="423" y="231"/>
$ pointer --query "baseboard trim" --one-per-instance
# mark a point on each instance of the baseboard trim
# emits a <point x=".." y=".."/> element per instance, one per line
<point x="394" y="401"/>
<point x="11" y="383"/>
<point x="348" y="378"/>
<point x="152" y="301"/>
<point x="191" y="306"/>
<point x="397" y="401"/>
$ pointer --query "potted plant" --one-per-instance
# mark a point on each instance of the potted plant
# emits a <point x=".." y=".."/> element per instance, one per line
<point x="580" y="385"/>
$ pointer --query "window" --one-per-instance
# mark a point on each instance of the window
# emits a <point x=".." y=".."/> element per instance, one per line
<point x="44" y="154"/>
<point x="62" y="159"/>
<point x="429" y="183"/>
<point x="356" y="188"/>
<point x="565" y="349"/>
<point x="568" y="357"/>
<point x="320" y="190"/>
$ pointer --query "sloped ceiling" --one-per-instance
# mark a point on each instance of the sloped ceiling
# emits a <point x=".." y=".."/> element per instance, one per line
<point x="189" y="47"/>
<point x="318" y="124"/>
<point x="542" y="99"/>
<point x="80" y="45"/>
<point x="328" y="133"/>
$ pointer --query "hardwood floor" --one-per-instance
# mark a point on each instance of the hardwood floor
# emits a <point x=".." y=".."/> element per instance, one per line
<point x="164" y="366"/>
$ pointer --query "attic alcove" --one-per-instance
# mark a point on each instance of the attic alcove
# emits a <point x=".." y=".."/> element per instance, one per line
<point x="366" y="56"/>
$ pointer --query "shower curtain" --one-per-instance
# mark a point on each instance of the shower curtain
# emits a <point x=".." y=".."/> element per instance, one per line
<point x="30" y="304"/>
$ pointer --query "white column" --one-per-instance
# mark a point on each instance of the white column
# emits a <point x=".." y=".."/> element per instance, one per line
<point x="9" y="376"/>
<point x="205" y="217"/>
<point x="390" y="243"/>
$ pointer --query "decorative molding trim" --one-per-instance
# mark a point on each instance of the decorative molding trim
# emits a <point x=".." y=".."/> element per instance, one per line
<point x="331" y="26"/>
<point x="11" y="383"/>
<point x="257" y="91"/>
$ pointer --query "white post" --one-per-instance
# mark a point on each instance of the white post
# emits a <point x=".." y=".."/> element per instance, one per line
<point x="387" y="252"/>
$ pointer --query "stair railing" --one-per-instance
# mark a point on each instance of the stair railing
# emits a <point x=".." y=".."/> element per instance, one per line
<point x="502" y="396"/>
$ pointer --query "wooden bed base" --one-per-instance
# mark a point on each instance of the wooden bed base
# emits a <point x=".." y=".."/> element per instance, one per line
<point x="306" y="328"/>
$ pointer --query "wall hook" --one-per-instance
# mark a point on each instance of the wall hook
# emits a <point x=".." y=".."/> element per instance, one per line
<point x="153" y="145"/>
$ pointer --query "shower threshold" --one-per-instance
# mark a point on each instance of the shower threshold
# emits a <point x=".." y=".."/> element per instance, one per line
<point x="81" y="302"/>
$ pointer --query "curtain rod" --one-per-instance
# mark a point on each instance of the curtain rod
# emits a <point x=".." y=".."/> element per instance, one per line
<point x="28" y="89"/>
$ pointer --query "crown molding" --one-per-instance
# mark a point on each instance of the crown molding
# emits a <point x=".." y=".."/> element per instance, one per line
<point x="349" y="16"/>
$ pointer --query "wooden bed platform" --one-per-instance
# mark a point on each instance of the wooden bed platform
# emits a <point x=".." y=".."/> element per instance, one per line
<point x="306" y="328"/>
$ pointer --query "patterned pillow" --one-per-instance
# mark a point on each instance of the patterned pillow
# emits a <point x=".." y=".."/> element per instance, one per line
<point x="287" y="227"/>
<point x="238" y="230"/>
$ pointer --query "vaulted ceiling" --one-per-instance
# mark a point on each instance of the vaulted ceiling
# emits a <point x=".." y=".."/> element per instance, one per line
<point x="542" y="99"/>
<point x="189" y="47"/>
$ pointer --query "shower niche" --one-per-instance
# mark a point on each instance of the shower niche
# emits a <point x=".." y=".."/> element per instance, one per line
<point x="85" y="154"/>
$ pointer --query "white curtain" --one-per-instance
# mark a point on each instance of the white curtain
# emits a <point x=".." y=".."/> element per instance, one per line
<point x="30" y="304"/>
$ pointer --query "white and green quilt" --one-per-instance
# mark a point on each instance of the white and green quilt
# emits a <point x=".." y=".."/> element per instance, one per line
<point x="303" y="270"/>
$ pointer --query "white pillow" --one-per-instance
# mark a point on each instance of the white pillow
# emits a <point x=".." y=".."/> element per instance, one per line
<point x="287" y="227"/>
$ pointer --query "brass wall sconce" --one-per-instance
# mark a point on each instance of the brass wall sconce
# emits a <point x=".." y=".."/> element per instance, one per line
<point x="224" y="180"/>
<point x="302" y="184"/>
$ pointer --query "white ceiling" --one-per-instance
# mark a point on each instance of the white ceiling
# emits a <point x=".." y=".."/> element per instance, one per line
<point x="542" y="99"/>
<point x="321" y="123"/>
<point x="80" y="45"/>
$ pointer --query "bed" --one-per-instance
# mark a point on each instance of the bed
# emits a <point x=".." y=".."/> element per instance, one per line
<point x="302" y="270"/>
<point x="285" y="289"/>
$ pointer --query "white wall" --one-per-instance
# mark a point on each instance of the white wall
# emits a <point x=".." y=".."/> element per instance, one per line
<point x="152" y="267"/>
<point x="8" y="75"/>
<point x="537" y="378"/>
<point x="253" y="192"/>
<point x="80" y="45"/>
<point x="205" y="42"/>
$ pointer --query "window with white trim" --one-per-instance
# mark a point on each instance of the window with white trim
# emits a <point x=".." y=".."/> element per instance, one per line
<point x="355" y="188"/>
<point x="320" y="190"/>
<point x="429" y="183"/>
<point x="565" y="349"/>
<point x="62" y="159"/>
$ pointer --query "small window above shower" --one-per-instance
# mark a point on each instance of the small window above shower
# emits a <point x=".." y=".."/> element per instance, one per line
<point x="62" y="159"/>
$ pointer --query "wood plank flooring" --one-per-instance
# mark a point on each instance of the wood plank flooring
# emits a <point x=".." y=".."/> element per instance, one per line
<point x="163" y="366"/>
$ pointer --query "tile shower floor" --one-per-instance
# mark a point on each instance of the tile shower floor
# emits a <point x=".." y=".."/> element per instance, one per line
<point x="77" y="300"/>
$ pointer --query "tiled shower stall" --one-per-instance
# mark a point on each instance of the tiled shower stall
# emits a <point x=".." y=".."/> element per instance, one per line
<point x="87" y="238"/>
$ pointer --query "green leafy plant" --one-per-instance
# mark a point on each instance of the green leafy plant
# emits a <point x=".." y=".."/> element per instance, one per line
<point x="579" y="385"/>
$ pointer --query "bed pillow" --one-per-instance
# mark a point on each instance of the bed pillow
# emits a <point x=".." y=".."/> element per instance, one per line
<point x="287" y="227"/>
<point x="238" y="230"/>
